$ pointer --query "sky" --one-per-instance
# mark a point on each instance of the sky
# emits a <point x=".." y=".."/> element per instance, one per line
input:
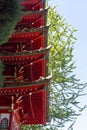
<point x="75" y="13"/>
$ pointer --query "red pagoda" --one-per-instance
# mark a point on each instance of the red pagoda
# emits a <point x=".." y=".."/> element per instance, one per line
<point x="24" y="95"/>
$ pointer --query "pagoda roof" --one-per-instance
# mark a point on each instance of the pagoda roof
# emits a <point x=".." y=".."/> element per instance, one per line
<point x="24" y="88"/>
<point x="28" y="5"/>
<point x="33" y="12"/>
<point x="33" y="19"/>
<point x="11" y="60"/>
<point x="31" y="45"/>
<point x="26" y="35"/>
<point x="24" y="57"/>
<point x="32" y="30"/>
<point x="25" y="52"/>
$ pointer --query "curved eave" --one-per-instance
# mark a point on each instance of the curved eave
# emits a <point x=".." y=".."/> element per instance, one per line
<point x="28" y="5"/>
<point x="25" y="35"/>
<point x="25" y="87"/>
<point x="26" y="53"/>
<point x="32" y="21"/>
<point x="19" y="58"/>
<point x="43" y="11"/>
<point x="40" y="29"/>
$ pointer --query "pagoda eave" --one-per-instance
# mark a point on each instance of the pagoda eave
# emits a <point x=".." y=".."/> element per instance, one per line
<point x="32" y="5"/>
<point x="42" y="80"/>
<point x="25" y="53"/>
<point x="24" y="89"/>
<point x="25" y="30"/>
<point x="33" y="20"/>
<point x="44" y="11"/>
<point x="21" y="58"/>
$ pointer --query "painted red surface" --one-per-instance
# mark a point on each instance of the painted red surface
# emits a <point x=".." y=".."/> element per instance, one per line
<point x="24" y="56"/>
<point x="28" y="5"/>
<point x="14" y="124"/>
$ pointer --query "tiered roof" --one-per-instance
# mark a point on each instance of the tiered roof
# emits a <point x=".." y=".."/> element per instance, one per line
<point x="25" y="57"/>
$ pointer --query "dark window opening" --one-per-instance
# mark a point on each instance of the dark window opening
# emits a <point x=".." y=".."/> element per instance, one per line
<point x="4" y="124"/>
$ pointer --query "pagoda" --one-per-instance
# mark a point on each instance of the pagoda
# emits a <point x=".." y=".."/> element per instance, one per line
<point x="25" y="92"/>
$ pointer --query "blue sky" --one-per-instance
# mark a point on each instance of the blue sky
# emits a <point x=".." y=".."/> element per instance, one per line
<point x="75" y="13"/>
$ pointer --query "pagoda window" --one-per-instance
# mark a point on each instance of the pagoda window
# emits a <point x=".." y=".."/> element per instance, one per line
<point x="4" y="124"/>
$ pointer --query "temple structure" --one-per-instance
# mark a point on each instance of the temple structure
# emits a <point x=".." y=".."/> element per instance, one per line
<point x="24" y="95"/>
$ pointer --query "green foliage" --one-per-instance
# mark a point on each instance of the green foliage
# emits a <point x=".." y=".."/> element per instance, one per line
<point x="65" y="88"/>
<point x="10" y="13"/>
<point x="1" y="74"/>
